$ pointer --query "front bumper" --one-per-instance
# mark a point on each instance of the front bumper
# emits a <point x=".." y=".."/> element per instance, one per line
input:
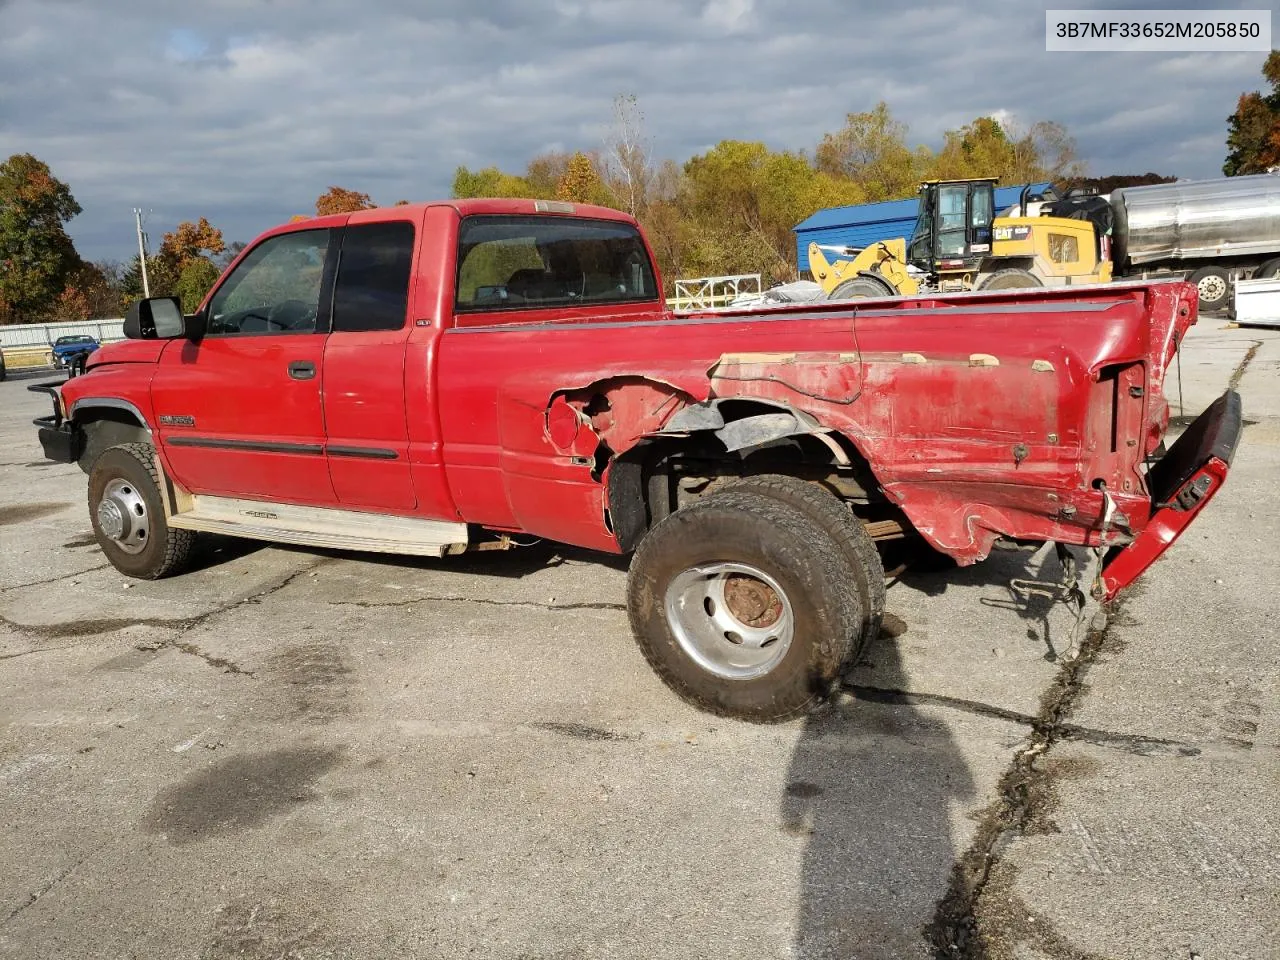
<point x="59" y="439"/>
<point x="1180" y="483"/>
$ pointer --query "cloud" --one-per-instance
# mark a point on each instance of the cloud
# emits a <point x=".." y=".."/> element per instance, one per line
<point x="244" y="111"/>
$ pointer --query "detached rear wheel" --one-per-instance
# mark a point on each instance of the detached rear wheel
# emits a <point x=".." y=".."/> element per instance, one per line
<point x="128" y="515"/>
<point x="744" y="606"/>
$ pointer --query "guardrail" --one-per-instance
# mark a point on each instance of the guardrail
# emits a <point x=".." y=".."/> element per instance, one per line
<point x="43" y="334"/>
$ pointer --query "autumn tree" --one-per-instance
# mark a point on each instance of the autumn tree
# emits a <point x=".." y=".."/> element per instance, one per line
<point x="92" y="292"/>
<point x="185" y="260"/>
<point x="339" y="200"/>
<point x="189" y="241"/>
<point x="36" y="255"/>
<point x="543" y="174"/>
<point x="871" y="150"/>
<point x="581" y="182"/>
<point x="1253" y="131"/>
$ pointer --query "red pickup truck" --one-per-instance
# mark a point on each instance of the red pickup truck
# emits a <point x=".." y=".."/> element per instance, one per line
<point x="444" y="377"/>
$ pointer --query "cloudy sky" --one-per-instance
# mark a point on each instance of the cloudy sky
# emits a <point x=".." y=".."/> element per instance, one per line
<point x="245" y="110"/>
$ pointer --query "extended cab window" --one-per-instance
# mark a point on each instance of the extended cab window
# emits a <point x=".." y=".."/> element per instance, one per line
<point x="372" y="288"/>
<point x="514" y="263"/>
<point x="275" y="288"/>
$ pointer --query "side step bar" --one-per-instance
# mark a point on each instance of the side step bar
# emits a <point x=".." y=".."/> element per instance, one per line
<point x="319" y="526"/>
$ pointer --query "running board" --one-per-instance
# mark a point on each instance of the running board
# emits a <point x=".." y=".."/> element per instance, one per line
<point x="320" y="526"/>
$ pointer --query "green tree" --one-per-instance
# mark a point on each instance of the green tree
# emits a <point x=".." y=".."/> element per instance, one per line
<point x="1253" y="131"/>
<point x="871" y="150"/>
<point x="196" y="279"/>
<point x="740" y="202"/>
<point x="490" y="182"/>
<point x="986" y="147"/>
<point x="36" y="256"/>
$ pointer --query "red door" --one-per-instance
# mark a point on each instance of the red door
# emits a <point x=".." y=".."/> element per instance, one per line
<point x="239" y="412"/>
<point x="364" y="368"/>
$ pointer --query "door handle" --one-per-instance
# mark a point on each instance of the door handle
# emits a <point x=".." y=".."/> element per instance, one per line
<point x="302" y="369"/>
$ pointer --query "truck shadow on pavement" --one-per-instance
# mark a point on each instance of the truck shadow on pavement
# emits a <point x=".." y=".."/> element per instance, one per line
<point x="873" y="789"/>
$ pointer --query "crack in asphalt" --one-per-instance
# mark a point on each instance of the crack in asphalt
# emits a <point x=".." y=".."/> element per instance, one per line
<point x="34" y="896"/>
<point x="65" y="576"/>
<point x="954" y="930"/>
<point x="183" y="625"/>
<point x="1238" y="373"/>
<point x="374" y="604"/>
<point x="27" y="653"/>
<point x="1130" y="742"/>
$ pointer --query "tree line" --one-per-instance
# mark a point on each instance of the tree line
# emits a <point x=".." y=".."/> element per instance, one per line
<point x="729" y="210"/>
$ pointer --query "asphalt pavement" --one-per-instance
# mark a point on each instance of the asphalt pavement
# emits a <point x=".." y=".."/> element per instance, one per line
<point x="298" y="754"/>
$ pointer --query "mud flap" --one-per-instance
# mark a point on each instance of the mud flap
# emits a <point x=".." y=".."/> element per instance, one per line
<point x="1181" y="483"/>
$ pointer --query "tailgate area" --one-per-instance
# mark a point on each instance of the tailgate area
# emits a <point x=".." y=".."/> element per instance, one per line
<point x="1180" y="484"/>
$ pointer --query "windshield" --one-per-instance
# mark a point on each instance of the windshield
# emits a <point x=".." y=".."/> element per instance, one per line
<point x="63" y="341"/>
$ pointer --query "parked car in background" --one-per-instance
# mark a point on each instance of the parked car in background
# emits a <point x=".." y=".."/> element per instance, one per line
<point x="69" y="353"/>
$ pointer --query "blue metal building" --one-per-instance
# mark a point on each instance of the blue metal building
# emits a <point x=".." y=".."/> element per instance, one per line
<point x="866" y="223"/>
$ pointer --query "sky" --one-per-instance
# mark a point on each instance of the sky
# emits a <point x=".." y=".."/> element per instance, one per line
<point x="244" y="111"/>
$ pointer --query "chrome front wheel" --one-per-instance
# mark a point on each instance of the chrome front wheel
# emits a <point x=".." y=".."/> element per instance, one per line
<point x="122" y="516"/>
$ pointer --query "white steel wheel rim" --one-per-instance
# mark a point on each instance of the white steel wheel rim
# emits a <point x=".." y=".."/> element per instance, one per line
<point x="732" y="619"/>
<point x="1212" y="287"/>
<point x="122" y="516"/>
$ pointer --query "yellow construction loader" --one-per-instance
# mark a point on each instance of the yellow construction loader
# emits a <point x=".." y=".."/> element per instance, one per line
<point x="959" y="244"/>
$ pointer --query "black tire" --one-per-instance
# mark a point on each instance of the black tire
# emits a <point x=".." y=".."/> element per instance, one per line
<point x="741" y="527"/>
<point x="861" y="288"/>
<point x="3" y="372"/>
<point x="1268" y="270"/>
<point x="1213" y="284"/>
<point x="828" y="512"/>
<point x="1010" y="278"/>
<point x="160" y="551"/>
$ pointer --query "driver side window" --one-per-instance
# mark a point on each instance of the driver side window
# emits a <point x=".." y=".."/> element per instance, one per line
<point x="275" y="289"/>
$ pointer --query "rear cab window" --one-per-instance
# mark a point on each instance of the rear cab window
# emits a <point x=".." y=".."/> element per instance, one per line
<point x="521" y="263"/>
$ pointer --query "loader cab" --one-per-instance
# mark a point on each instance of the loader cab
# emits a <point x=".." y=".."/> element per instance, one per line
<point x="953" y="229"/>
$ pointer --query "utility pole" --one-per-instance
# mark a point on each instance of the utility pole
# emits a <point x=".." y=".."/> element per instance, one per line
<point x="142" y="252"/>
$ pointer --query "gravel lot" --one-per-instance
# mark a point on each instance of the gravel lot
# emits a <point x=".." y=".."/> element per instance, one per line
<point x="296" y="754"/>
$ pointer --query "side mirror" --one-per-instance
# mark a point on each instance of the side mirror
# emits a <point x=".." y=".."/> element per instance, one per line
<point x="193" y="325"/>
<point x="157" y="318"/>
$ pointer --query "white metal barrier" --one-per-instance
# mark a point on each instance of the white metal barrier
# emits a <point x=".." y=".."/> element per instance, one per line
<point x="44" y="334"/>
<point x="704" y="293"/>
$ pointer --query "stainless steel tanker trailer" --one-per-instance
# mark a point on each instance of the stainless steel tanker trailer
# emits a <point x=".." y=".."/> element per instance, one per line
<point x="1212" y="232"/>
